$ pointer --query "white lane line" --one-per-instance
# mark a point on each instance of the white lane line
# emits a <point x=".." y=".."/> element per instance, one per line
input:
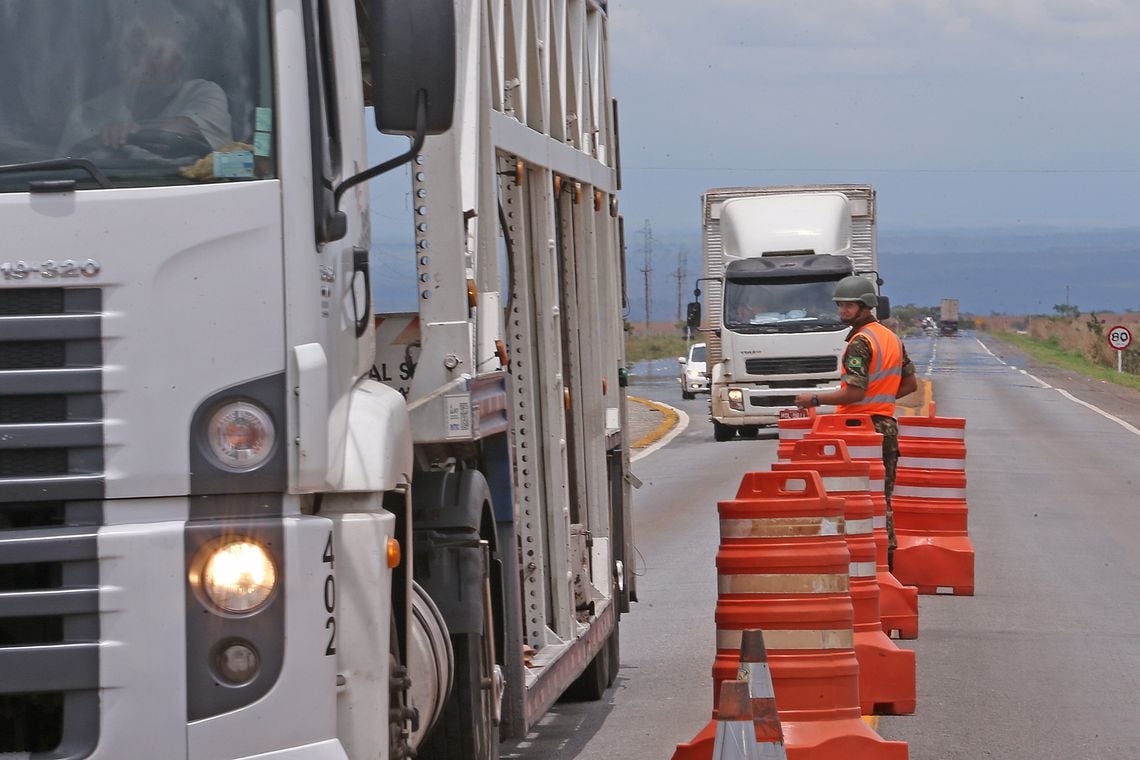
<point x="682" y="423"/>
<point x="933" y="354"/>
<point x="1101" y="412"/>
<point x="1038" y="380"/>
<point x="1130" y="428"/>
<point x="991" y="353"/>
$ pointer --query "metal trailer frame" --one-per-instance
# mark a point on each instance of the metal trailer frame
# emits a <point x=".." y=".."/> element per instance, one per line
<point x="533" y="152"/>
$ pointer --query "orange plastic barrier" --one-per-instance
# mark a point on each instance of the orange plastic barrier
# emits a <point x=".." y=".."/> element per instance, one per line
<point x="792" y="430"/>
<point x="934" y="551"/>
<point x="898" y="604"/>
<point x="783" y="568"/>
<point x="886" y="673"/>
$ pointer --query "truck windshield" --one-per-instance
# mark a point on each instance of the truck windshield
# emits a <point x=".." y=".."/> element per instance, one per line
<point x="152" y="92"/>
<point x="784" y="305"/>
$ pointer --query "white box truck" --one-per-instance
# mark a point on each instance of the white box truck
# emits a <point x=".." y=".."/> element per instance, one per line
<point x="772" y="256"/>
<point x="223" y="534"/>
<point x="948" y="317"/>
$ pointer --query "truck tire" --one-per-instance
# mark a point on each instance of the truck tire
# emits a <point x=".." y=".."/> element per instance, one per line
<point x="599" y="675"/>
<point x="688" y="396"/>
<point x="467" y="729"/>
<point x="749" y="431"/>
<point x="457" y="564"/>
<point x="723" y="432"/>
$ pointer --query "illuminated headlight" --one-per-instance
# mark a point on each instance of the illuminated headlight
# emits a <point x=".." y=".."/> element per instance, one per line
<point x="736" y="399"/>
<point x="240" y="435"/>
<point x="238" y="576"/>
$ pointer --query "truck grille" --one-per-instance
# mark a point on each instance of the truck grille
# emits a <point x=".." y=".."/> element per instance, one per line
<point x="51" y="492"/>
<point x="807" y="365"/>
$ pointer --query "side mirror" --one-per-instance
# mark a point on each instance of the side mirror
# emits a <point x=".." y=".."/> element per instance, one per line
<point x="883" y="308"/>
<point x="412" y="50"/>
<point x="693" y="314"/>
<point x="681" y="360"/>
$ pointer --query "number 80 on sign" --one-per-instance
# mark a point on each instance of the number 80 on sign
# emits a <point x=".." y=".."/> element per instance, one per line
<point x="1120" y="337"/>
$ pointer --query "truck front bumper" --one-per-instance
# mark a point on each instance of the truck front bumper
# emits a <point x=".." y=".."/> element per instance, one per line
<point x="746" y="405"/>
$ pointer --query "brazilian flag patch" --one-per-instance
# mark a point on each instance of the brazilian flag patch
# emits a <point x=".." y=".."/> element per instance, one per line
<point x="855" y="362"/>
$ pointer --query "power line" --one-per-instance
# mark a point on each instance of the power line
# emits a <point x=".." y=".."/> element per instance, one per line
<point x="647" y="269"/>
<point x="680" y="275"/>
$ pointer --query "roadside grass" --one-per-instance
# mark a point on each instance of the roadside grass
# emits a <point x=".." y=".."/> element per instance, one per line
<point x="640" y="347"/>
<point x="1047" y="351"/>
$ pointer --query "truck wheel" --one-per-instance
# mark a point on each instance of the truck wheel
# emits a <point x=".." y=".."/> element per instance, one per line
<point x="723" y="432"/>
<point x="599" y="675"/>
<point x="456" y="521"/>
<point x="749" y="431"/>
<point x="688" y="396"/>
<point x="467" y="730"/>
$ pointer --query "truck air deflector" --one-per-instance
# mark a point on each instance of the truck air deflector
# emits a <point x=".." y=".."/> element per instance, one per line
<point x="789" y="267"/>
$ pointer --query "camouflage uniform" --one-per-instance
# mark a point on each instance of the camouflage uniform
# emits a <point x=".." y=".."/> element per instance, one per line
<point x="856" y="360"/>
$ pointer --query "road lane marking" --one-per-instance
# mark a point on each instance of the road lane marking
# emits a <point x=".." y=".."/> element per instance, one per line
<point x="1130" y="428"/>
<point x="682" y="423"/>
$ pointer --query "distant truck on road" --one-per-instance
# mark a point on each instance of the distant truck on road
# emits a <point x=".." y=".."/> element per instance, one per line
<point x="772" y="257"/>
<point x="948" y="317"/>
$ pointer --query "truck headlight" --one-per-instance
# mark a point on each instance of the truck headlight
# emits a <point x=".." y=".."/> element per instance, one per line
<point x="736" y="399"/>
<point x="240" y="435"/>
<point x="237" y="576"/>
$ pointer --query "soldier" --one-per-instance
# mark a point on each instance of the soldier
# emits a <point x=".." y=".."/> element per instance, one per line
<point x="876" y="371"/>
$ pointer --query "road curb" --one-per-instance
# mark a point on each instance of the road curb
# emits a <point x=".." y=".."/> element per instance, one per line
<point x="659" y="432"/>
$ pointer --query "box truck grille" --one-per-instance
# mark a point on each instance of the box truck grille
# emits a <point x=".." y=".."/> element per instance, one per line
<point x="772" y="401"/>
<point x="805" y="365"/>
<point x="51" y="491"/>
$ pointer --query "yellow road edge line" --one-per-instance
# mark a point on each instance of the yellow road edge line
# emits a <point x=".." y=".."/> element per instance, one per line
<point x="660" y="430"/>
<point x="925" y="394"/>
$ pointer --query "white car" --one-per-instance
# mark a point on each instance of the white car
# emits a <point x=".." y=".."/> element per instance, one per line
<point x="693" y="369"/>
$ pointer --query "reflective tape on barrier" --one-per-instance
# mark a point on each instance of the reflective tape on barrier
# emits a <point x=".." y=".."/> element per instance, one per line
<point x="780" y="527"/>
<point x="923" y="431"/>
<point x="808" y="639"/>
<point x="838" y="484"/>
<point x="783" y="583"/>
<point x="792" y="435"/>
<point x="860" y="527"/>
<point x="878" y="486"/>
<point x="865" y="452"/>
<point x="862" y="569"/>
<point x="930" y="492"/>
<point x="932" y="463"/>
<point x="880" y="522"/>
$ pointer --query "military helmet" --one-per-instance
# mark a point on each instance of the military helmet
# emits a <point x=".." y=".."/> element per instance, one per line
<point x="855" y="288"/>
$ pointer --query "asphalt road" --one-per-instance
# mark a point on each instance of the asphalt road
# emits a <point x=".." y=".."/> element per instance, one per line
<point x="1043" y="662"/>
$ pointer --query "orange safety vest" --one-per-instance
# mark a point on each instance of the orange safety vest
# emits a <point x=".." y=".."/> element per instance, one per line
<point x="883" y="376"/>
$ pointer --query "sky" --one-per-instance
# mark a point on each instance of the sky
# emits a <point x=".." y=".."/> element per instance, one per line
<point x="962" y="113"/>
<point x="967" y="116"/>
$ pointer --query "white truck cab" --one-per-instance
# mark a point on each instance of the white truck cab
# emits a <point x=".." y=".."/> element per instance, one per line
<point x="772" y="259"/>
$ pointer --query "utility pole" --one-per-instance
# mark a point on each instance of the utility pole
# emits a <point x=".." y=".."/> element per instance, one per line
<point x="680" y="275"/>
<point x="647" y="269"/>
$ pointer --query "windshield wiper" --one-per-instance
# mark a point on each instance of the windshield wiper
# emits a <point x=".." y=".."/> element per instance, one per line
<point x="60" y="163"/>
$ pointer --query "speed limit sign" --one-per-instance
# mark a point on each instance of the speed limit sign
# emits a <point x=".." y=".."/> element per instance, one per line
<point x="1120" y="337"/>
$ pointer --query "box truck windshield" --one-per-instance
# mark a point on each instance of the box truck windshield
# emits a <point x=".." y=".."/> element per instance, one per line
<point x="785" y="305"/>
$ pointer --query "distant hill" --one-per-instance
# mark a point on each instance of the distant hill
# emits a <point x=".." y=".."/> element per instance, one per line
<point x="1005" y="271"/>
<point x="989" y="271"/>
